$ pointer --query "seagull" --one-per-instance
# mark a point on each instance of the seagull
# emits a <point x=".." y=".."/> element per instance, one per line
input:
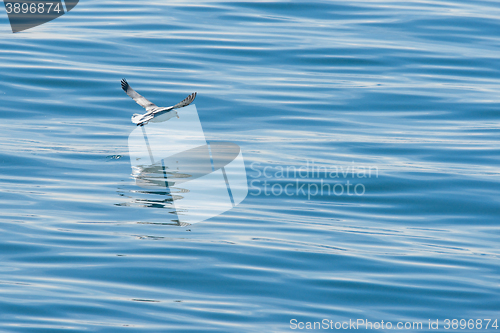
<point x="152" y="110"/>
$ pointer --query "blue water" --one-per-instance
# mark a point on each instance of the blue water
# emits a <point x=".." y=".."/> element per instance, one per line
<point x="409" y="89"/>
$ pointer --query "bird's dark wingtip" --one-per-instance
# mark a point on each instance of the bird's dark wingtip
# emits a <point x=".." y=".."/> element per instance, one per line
<point x="124" y="84"/>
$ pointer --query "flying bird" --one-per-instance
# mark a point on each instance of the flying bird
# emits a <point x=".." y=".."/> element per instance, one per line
<point x="152" y="110"/>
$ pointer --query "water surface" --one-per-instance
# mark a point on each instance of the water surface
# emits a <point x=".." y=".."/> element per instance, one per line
<point x="409" y="89"/>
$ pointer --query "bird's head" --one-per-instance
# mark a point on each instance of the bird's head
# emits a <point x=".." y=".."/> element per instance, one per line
<point x="136" y="118"/>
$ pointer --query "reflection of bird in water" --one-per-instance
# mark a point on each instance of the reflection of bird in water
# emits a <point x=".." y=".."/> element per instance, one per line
<point x="153" y="111"/>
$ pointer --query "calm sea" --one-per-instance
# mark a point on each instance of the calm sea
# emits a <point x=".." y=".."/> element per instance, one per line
<point x="400" y="99"/>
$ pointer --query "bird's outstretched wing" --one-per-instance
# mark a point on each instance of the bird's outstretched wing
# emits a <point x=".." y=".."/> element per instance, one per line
<point x="185" y="102"/>
<point x="148" y="105"/>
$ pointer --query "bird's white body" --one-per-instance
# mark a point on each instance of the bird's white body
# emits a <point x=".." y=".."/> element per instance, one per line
<point x="137" y="118"/>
